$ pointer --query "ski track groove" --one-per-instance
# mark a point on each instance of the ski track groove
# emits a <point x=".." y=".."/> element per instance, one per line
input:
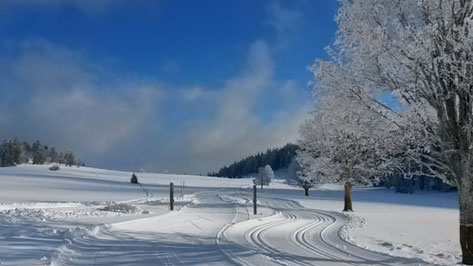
<point x="306" y="243"/>
<point x="221" y="233"/>
<point x="254" y="238"/>
<point x="301" y="237"/>
<point x="316" y="239"/>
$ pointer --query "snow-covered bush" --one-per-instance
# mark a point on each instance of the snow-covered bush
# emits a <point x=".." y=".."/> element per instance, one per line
<point x="264" y="177"/>
<point x="134" y="179"/>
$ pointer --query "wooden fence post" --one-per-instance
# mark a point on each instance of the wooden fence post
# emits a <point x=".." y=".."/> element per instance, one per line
<point x="171" y="196"/>
<point x="254" y="199"/>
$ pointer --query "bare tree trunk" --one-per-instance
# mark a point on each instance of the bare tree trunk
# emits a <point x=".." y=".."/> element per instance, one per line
<point x="465" y="196"/>
<point x="306" y="191"/>
<point x="348" y="204"/>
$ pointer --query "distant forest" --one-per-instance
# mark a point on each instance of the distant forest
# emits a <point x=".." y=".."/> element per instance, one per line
<point x="15" y="152"/>
<point x="281" y="158"/>
<point x="277" y="158"/>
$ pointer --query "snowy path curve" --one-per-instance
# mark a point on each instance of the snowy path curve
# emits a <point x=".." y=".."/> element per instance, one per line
<point x="300" y="236"/>
<point x="219" y="230"/>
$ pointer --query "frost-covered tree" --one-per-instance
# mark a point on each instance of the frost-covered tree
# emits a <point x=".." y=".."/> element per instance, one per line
<point x="342" y="143"/>
<point x="302" y="178"/>
<point x="69" y="158"/>
<point x="53" y="155"/>
<point x="264" y="177"/>
<point x="25" y="152"/>
<point x="421" y="52"/>
<point x="61" y="158"/>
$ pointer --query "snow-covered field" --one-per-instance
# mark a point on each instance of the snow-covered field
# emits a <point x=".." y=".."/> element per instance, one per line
<point x="91" y="216"/>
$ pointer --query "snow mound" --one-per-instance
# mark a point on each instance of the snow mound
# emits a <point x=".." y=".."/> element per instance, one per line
<point x="40" y="212"/>
<point x="234" y="199"/>
<point x="121" y="208"/>
<point x="354" y="222"/>
<point x="80" y="232"/>
<point x="187" y="198"/>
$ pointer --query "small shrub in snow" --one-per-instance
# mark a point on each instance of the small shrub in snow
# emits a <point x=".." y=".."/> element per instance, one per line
<point x="54" y="168"/>
<point x="134" y="179"/>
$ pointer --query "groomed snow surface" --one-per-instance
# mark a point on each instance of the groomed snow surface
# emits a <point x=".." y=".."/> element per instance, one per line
<point x="87" y="216"/>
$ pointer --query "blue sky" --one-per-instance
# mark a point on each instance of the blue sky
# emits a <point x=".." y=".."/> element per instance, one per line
<point x="187" y="86"/>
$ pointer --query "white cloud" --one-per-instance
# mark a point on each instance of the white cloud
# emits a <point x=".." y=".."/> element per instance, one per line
<point x="93" y="122"/>
<point x="54" y="95"/>
<point x="195" y="94"/>
<point x="60" y="97"/>
<point x="236" y="131"/>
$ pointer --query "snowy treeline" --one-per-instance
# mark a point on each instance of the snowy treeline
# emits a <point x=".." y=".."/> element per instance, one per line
<point x="276" y="158"/>
<point x="410" y="63"/>
<point x="15" y="152"/>
<point x="418" y="182"/>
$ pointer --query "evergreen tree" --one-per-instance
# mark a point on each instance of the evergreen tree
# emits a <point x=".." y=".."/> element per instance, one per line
<point x="7" y="158"/>
<point x="53" y="156"/>
<point x="276" y="158"/>
<point x="15" y="152"/>
<point x="62" y="159"/>
<point x="39" y="153"/>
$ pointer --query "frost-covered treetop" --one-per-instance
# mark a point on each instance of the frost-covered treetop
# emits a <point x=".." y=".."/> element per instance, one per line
<point x="420" y="53"/>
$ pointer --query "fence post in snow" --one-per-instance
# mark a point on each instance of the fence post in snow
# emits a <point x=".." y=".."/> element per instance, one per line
<point x="171" y="196"/>
<point x="254" y="199"/>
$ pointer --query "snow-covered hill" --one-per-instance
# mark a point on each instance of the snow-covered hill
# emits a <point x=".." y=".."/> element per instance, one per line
<point x="84" y="215"/>
<point x="29" y="183"/>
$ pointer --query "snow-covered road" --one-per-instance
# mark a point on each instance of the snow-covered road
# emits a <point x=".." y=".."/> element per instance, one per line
<point x="219" y="229"/>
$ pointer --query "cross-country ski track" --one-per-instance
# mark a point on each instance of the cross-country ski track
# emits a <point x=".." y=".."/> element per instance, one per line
<point x="218" y="228"/>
